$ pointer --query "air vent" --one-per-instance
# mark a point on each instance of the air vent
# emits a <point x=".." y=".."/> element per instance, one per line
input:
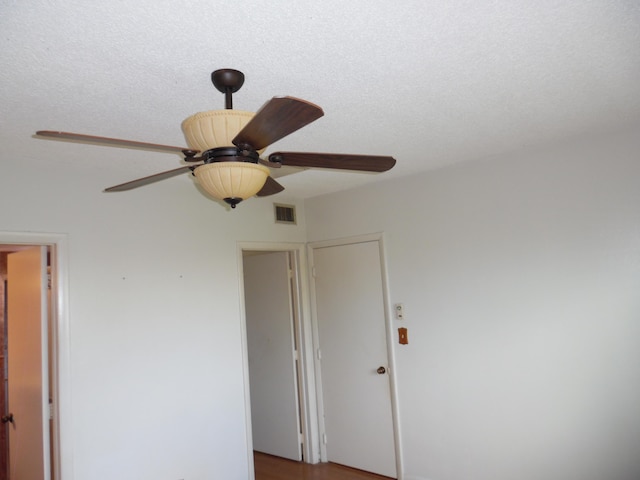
<point x="285" y="213"/>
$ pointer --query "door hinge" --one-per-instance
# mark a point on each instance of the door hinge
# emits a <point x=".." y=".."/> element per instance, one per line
<point x="324" y="438"/>
<point x="50" y="410"/>
<point x="319" y="354"/>
<point x="313" y="272"/>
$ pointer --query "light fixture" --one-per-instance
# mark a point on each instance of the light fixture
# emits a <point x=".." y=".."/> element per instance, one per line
<point x="228" y="174"/>
<point x="232" y="181"/>
<point x="215" y="128"/>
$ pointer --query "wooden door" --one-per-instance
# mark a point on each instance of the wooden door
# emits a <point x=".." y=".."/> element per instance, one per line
<point x="27" y="365"/>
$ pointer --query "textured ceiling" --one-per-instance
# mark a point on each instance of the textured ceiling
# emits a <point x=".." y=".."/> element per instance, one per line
<point x="429" y="82"/>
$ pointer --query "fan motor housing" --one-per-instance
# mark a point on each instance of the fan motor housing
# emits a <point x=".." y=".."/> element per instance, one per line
<point x="228" y="154"/>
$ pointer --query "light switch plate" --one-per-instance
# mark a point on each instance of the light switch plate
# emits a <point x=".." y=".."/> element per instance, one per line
<point x="403" y="337"/>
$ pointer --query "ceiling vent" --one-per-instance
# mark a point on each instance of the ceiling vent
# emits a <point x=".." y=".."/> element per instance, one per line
<point x="285" y="213"/>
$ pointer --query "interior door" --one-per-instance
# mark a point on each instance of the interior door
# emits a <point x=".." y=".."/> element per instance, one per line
<point x="275" y="415"/>
<point x="351" y="322"/>
<point x="27" y="365"/>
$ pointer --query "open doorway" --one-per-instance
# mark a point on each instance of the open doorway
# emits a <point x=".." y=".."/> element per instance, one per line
<point x="50" y="250"/>
<point x="271" y="318"/>
<point x="279" y="371"/>
<point x="26" y="357"/>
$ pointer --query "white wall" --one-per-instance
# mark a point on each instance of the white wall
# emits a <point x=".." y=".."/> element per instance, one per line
<point x="519" y="275"/>
<point x="520" y="278"/>
<point x="156" y="359"/>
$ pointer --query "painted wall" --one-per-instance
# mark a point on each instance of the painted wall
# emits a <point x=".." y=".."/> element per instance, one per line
<point x="519" y="277"/>
<point x="156" y="359"/>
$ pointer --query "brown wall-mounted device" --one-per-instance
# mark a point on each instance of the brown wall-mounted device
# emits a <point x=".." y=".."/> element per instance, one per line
<point x="403" y="338"/>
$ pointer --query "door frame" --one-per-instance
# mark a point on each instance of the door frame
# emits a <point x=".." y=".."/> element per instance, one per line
<point x="60" y="357"/>
<point x="306" y="381"/>
<point x="388" y="316"/>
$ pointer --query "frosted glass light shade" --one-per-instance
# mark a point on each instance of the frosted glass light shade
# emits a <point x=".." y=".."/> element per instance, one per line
<point x="215" y="128"/>
<point x="232" y="181"/>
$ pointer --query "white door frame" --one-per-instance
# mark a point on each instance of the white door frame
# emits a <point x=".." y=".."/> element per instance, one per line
<point x="307" y="383"/>
<point x="379" y="238"/>
<point x="61" y="369"/>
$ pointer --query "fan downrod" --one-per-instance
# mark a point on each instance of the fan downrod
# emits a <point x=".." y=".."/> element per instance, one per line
<point x="227" y="81"/>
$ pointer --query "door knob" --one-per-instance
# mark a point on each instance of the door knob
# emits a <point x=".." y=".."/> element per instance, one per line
<point x="381" y="370"/>
<point x="7" y="418"/>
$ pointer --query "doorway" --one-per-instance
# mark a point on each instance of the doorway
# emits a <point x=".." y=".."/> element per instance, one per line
<point x="278" y="363"/>
<point x="271" y="319"/>
<point x="355" y="361"/>
<point x="55" y="346"/>
<point x="318" y="439"/>
<point x="26" y="420"/>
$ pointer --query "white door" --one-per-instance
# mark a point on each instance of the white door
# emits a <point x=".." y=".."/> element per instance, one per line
<point x="27" y="365"/>
<point x="353" y="346"/>
<point x="275" y="417"/>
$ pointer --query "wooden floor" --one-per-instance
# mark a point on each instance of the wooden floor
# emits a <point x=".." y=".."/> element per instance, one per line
<point x="275" y="468"/>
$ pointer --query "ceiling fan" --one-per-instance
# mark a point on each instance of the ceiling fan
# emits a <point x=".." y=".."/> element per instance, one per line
<point x="224" y="146"/>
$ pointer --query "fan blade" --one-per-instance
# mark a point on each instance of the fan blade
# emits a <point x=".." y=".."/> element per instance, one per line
<point x="277" y="118"/>
<point x="140" y="182"/>
<point x="364" y="163"/>
<point x="79" y="137"/>
<point x="271" y="187"/>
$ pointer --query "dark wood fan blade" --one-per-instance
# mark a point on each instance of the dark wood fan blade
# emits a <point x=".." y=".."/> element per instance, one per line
<point x="364" y="163"/>
<point x="140" y="182"/>
<point x="112" y="142"/>
<point x="279" y="117"/>
<point x="271" y="187"/>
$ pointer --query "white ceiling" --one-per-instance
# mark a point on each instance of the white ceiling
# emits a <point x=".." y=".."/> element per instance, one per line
<point x="429" y="82"/>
